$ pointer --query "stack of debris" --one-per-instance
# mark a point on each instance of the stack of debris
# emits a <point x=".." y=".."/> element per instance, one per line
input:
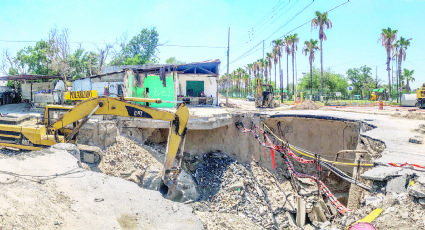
<point x="132" y="162"/>
<point x="128" y="160"/>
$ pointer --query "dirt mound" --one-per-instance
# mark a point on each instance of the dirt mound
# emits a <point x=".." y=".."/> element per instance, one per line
<point x="246" y="193"/>
<point x="307" y="105"/>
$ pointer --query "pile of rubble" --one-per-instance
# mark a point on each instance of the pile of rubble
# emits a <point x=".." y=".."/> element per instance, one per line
<point x="248" y="194"/>
<point x="307" y="105"/>
<point x="399" y="211"/>
<point x="128" y="160"/>
<point x="142" y="165"/>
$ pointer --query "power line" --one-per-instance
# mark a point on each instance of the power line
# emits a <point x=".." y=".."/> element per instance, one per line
<point x="197" y="46"/>
<point x="79" y="42"/>
<point x="313" y="18"/>
<point x="246" y="53"/>
<point x="267" y="21"/>
<point x="286" y="23"/>
<point x="264" y="21"/>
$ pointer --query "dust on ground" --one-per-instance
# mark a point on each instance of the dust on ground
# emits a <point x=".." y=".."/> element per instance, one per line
<point x="307" y="105"/>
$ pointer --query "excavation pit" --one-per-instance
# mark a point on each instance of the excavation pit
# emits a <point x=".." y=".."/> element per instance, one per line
<point x="325" y="136"/>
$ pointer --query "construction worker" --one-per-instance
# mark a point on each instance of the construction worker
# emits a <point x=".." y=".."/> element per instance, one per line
<point x="106" y="91"/>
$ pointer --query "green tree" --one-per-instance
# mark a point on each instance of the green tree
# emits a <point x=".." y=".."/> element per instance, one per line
<point x="401" y="47"/>
<point x="332" y="81"/>
<point x="293" y="41"/>
<point x="321" y="21"/>
<point x="278" y="47"/>
<point x="408" y="75"/>
<point x="141" y="49"/>
<point x="174" y="61"/>
<point x="388" y="37"/>
<point x="275" y="59"/>
<point x="288" y="51"/>
<point x="361" y="79"/>
<point x="309" y="48"/>
<point x="35" y="60"/>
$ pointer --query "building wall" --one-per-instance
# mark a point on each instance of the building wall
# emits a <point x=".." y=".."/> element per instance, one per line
<point x="36" y="87"/>
<point x="210" y="85"/>
<point x="87" y="84"/>
<point x="156" y="89"/>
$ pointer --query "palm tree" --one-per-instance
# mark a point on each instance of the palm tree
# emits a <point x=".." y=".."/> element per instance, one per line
<point x="269" y="58"/>
<point x="401" y="47"/>
<point x="278" y="45"/>
<point x="320" y="21"/>
<point x="287" y="51"/>
<point x="249" y="69"/>
<point x="408" y="75"/>
<point x="293" y="42"/>
<point x="309" y="48"/>
<point x="388" y="37"/>
<point x="275" y="61"/>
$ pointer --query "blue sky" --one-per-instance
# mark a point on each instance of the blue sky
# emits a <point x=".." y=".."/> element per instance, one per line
<point x="352" y="42"/>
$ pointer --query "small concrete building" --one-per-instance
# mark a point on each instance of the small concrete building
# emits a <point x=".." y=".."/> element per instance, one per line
<point x="193" y="83"/>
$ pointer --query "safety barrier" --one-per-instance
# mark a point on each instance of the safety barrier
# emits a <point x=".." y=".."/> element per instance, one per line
<point x="284" y="149"/>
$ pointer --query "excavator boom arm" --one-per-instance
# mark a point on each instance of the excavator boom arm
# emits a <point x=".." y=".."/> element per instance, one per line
<point x="120" y="107"/>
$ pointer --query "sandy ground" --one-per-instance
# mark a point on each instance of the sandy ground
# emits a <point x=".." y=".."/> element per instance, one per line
<point x="80" y="199"/>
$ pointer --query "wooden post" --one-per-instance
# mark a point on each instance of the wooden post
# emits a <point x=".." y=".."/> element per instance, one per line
<point x="31" y="93"/>
<point x="300" y="212"/>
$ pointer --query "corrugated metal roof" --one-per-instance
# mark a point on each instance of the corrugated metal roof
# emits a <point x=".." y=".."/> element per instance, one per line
<point x="209" y="67"/>
<point x="27" y="77"/>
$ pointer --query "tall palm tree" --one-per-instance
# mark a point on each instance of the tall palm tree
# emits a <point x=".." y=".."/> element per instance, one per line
<point x="294" y="39"/>
<point x="321" y="21"/>
<point x="249" y="70"/>
<point x="278" y="45"/>
<point x="388" y="37"/>
<point x="309" y="48"/>
<point x="269" y="58"/>
<point x="275" y="61"/>
<point x="288" y="51"/>
<point x="401" y="47"/>
<point x="408" y="75"/>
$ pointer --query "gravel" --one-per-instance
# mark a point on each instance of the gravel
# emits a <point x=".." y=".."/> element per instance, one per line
<point x="240" y="192"/>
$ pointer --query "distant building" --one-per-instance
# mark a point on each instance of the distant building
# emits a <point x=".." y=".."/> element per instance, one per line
<point x="195" y="83"/>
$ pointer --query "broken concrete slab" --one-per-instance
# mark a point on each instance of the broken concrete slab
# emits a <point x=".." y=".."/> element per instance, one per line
<point x="397" y="184"/>
<point x="417" y="190"/>
<point x="381" y="173"/>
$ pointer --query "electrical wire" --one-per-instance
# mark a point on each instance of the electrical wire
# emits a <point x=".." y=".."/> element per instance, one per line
<point x="312" y="155"/>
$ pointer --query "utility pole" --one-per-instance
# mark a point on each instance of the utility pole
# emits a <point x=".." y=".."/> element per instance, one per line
<point x="263" y="62"/>
<point x="376" y="77"/>
<point x="227" y="88"/>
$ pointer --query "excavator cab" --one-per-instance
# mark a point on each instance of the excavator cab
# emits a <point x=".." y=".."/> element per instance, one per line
<point x="420" y="95"/>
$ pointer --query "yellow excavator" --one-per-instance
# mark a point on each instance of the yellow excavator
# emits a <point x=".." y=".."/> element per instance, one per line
<point x="420" y="95"/>
<point x="63" y="128"/>
<point x="264" y="95"/>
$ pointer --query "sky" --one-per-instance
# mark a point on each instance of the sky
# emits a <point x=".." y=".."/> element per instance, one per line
<point x="352" y="41"/>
